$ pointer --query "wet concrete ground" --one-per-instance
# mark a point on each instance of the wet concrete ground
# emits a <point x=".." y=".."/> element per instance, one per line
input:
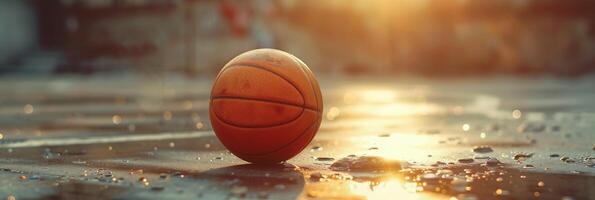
<point x="149" y="138"/>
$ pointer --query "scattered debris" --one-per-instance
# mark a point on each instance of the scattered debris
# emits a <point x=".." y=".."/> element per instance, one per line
<point x="324" y="159"/>
<point x="482" y="149"/>
<point x="522" y="156"/>
<point x="365" y="163"/>
<point x="492" y="162"/>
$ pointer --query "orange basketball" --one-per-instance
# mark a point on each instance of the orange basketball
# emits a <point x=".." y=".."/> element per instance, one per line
<point x="265" y="106"/>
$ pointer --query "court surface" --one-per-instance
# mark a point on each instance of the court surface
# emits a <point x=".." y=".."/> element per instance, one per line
<point x="132" y="137"/>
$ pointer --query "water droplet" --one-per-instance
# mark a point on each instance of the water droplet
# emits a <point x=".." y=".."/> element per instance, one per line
<point x="199" y="125"/>
<point x="540" y="184"/>
<point x="116" y="119"/>
<point x="28" y="109"/>
<point x="167" y="115"/>
<point x="516" y="114"/>
<point x="316" y="148"/>
<point x="333" y="113"/>
<point x="466" y="127"/>
<point x="536" y="194"/>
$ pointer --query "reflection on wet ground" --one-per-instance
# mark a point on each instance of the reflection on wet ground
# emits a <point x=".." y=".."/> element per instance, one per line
<point x="126" y="138"/>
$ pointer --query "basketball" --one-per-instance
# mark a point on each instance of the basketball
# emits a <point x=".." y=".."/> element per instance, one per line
<point x="265" y="106"/>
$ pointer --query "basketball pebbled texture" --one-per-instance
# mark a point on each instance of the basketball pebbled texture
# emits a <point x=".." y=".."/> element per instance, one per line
<point x="265" y="106"/>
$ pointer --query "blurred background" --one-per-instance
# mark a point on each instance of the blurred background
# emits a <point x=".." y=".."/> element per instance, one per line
<point x="353" y="37"/>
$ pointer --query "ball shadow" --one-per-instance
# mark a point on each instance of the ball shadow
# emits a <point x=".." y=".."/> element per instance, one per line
<point x="275" y="181"/>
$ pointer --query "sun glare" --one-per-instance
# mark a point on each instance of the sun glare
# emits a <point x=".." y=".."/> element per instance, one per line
<point x="389" y="189"/>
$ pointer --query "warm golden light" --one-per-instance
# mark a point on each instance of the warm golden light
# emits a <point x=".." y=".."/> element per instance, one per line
<point x="389" y="189"/>
<point x="378" y="96"/>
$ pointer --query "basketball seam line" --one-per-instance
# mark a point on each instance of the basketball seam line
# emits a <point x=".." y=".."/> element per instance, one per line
<point x="286" y="145"/>
<point x="242" y="64"/>
<point x="295" y="59"/>
<point x="260" y="126"/>
<point x="265" y="100"/>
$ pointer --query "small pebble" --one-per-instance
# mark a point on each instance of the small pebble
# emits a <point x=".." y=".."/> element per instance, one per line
<point x="482" y="149"/>
<point x="567" y="159"/>
<point x="554" y="155"/>
<point x="492" y="162"/>
<point x="528" y="166"/>
<point x="466" y="160"/>
<point x="317" y="176"/>
<point x="163" y="176"/>
<point x="522" y="156"/>
<point x="324" y="159"/>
